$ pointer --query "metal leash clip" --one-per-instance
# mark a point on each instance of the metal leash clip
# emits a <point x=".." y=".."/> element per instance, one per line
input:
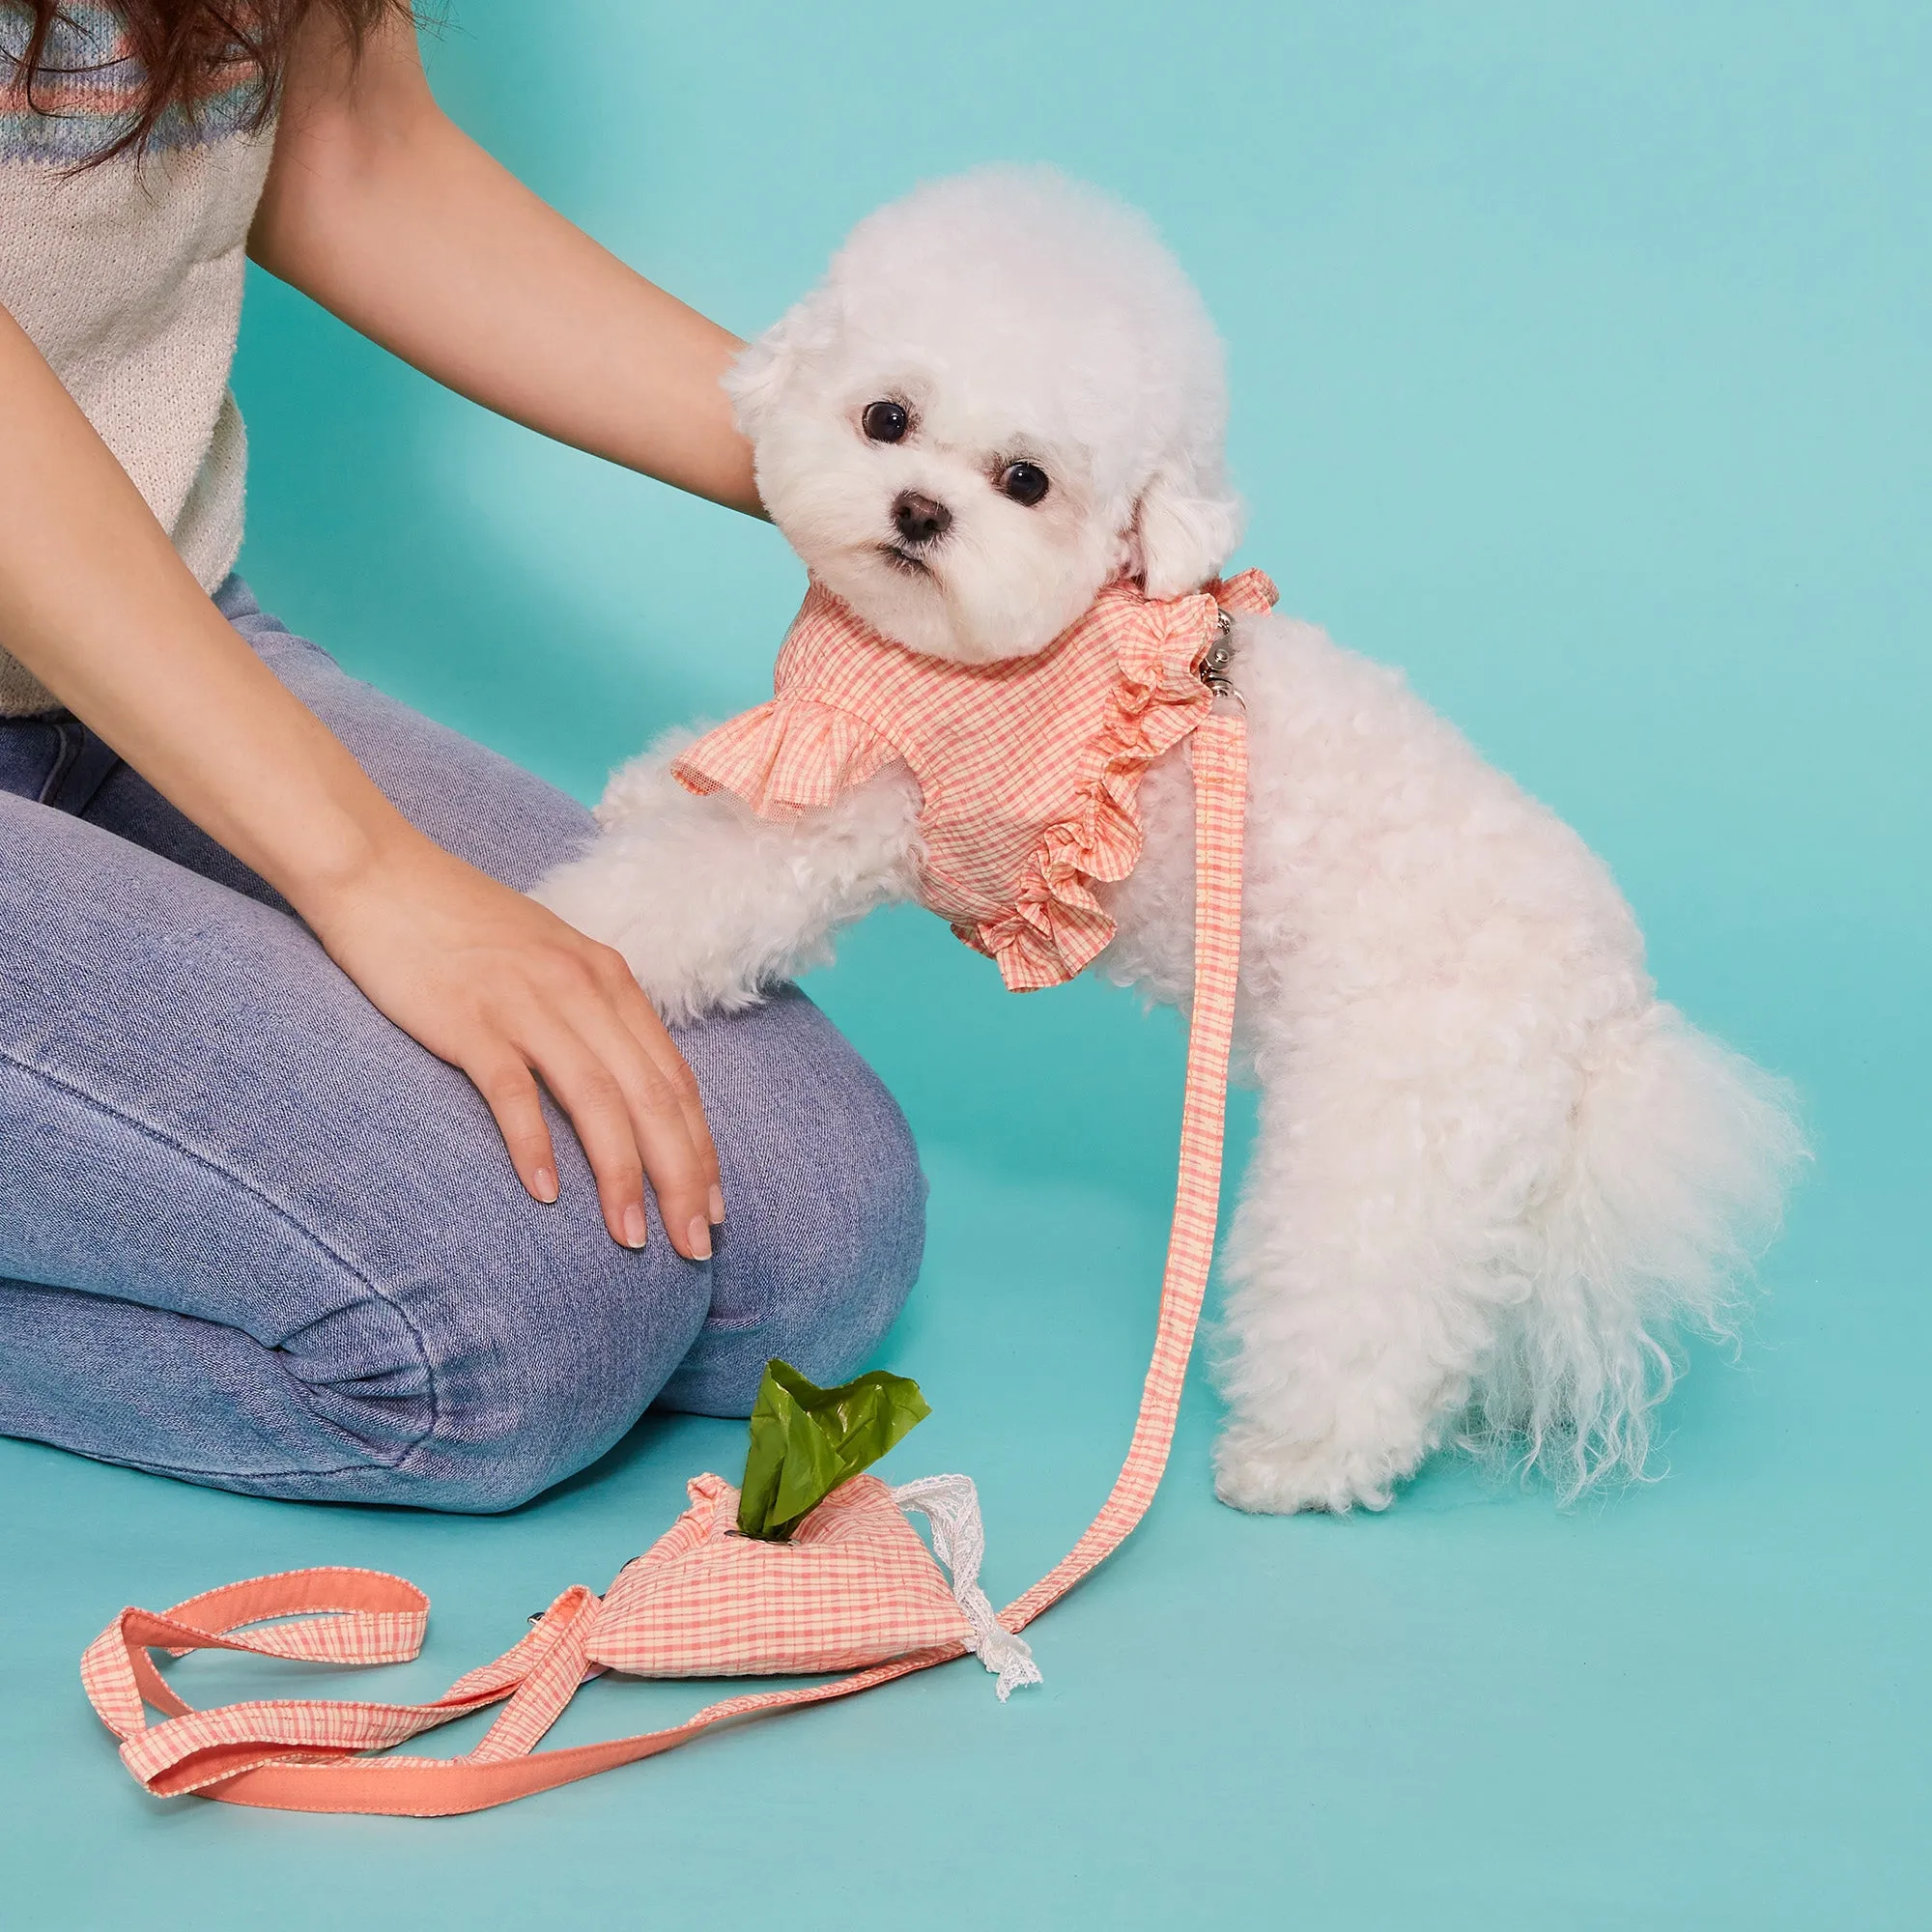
<point x="1220" y="657"/>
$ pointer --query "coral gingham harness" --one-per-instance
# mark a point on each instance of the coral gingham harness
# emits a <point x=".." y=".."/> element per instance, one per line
<point x="1029" y="768"/>
<point x="309" y="1754"/>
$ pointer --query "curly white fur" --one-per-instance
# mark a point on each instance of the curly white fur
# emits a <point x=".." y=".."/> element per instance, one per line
<point x="1496" y="1177"/>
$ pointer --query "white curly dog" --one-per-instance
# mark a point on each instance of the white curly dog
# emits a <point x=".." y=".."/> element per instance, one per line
<point x="1494" y="1175"/>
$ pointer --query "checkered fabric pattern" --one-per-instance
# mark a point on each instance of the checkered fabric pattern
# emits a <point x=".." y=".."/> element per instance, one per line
<point x="1029" y="769"/>
<point x="305" y="1755"/>
<point x="854" y="1586"/>
<point x="1220" y="792"/>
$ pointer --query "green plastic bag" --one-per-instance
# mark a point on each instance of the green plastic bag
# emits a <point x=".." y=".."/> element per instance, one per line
<point x="805" y="1440"/>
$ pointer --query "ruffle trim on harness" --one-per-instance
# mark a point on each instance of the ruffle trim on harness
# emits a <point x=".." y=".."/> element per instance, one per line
<point x="789" y="755"/>
<point x="1056" y="926"/>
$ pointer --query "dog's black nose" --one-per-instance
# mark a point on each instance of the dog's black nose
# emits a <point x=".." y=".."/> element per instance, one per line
<point x="919" y="519"/>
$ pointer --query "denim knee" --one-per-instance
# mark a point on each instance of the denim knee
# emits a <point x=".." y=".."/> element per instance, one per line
<point x="825" y="1222"/>
<point x="558" y="1346"/>
<point x="543" y="1341"/>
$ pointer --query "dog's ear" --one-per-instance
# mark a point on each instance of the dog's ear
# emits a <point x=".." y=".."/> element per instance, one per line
<point x="764" y="367"/>
<point x="1184" y="529"/>
<point x="758" y="378"/>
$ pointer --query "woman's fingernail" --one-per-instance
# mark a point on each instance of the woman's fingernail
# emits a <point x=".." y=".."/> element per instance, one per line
<point x="543" y="1183"/>
<point x="700" y="1239"/>
<point x="716" y="1206"/>
<point x="635" y="1227"/>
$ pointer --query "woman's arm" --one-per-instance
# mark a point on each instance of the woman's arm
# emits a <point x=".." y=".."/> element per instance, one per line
<point x="96" y="602"/>
<point x="387" y="214"/>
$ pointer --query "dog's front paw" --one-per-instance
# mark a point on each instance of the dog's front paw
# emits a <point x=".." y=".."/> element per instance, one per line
<point x="1274" y="1475"/>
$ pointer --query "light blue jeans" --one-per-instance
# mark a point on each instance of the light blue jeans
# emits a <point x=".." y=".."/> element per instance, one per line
<point x="253" y="1235"/>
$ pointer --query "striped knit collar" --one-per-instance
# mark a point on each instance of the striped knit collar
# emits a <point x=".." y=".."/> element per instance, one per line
<point x="88" y="85"/>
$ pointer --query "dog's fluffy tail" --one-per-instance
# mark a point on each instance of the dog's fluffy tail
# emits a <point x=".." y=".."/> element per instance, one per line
<point x="1682" y="1158"/>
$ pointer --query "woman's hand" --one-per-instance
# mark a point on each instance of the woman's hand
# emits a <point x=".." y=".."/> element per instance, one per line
<point x="96" y="602"/>
<point x="493" y="984"/>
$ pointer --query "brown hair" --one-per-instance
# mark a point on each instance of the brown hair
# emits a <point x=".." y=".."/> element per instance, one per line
<point x="186" y="50"/>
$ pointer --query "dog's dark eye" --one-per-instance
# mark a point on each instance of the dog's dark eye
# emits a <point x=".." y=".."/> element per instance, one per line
<point x="884" y="422"/>
<point x="1024" y="482"/>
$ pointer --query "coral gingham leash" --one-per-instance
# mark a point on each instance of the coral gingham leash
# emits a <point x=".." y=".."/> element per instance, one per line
<point x="306" y="1754"/>
<point x="1220" y="751"/>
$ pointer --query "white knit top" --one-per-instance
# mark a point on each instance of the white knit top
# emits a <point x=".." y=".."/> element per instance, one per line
<point x="128" y="277"/>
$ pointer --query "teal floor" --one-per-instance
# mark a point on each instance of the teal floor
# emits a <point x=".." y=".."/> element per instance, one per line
<point x="1579" y="367"/>
<point x="1702" y="1707"/>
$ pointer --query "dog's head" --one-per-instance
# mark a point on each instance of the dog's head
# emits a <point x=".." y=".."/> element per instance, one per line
<point x="1004" y="393"/>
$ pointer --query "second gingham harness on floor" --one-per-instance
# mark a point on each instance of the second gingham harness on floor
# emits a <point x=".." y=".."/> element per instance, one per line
<point x="855" y="1585"/>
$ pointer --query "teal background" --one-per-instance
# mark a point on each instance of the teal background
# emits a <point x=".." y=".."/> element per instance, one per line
<point x="1579" y="362"/>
